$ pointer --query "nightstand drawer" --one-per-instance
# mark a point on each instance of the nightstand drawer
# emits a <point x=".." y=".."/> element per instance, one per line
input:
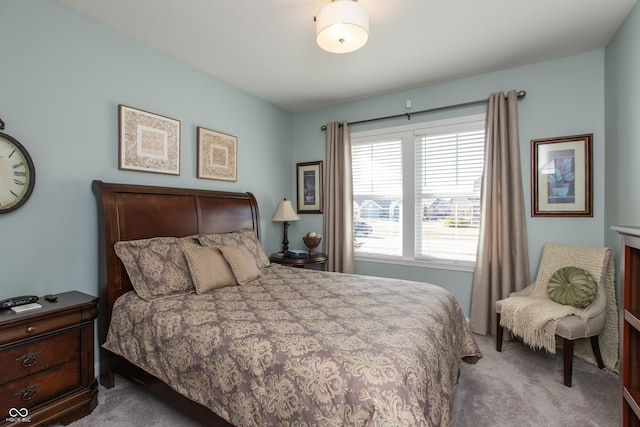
<point x="39" y="325"/>
<point x="38" y="355"/>
<point x="30" y="391"/>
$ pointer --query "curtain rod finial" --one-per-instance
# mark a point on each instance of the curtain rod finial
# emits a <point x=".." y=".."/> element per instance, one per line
<point x="521" y="93"/>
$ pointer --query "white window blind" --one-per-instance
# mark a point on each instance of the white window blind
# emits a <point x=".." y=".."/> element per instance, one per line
<point x="448" y="177"/>
<point x="377" y="190"/>
<point x="433" y="168"/>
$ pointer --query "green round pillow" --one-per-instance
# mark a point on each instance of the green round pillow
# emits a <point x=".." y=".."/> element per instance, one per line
<point x="573" y="286"/>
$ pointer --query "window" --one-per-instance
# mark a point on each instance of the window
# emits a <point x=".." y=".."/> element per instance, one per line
<point x="434" y="169"/>
<point x="377" y="190"/>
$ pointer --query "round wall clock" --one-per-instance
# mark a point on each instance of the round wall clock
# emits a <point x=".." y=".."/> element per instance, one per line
<point x="17" y="174"/>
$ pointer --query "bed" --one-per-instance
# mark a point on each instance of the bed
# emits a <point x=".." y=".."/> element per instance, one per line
<point x="288" y="346"/>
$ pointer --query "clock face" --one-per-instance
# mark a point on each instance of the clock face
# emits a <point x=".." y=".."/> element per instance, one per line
<point x="17" y="174"/>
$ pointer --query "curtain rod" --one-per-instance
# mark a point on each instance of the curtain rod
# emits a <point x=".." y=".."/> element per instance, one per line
<point x="520" y="94"/>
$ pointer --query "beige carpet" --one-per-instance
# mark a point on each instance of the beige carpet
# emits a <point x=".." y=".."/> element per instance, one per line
<point x="518" y="387"/>
<point x="522" y="387"/>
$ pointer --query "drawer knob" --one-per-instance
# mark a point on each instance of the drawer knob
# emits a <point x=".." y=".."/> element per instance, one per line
<point x="29" y="359"/>
<point x="29" y="392"/>
<point x="31" y="329"/>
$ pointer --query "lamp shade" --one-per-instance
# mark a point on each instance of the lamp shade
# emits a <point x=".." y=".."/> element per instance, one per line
<point x="342" y="26"/>
<point x="285" y="212"/>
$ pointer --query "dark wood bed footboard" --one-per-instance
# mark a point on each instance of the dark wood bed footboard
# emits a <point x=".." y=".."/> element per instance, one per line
<point x="131" y="212"/>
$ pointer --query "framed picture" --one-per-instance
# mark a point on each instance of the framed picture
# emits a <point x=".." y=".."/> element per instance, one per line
<point x="217" y="155"/>
<point x="148" y="142"/>
<point x="561" y="176"/>
<point x="309" y="185"/>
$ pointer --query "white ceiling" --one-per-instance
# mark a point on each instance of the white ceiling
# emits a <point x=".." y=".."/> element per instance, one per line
<point x="267" y="47"/>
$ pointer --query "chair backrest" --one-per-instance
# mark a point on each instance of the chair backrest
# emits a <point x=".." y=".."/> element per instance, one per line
<point x="594" y="259"/>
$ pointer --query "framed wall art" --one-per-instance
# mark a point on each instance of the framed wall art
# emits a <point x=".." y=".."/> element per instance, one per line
<point x="217" y="155"/>
<point x="148" y="142"/>
<point x="561" y="176"/>
<point x="309" y="187"/>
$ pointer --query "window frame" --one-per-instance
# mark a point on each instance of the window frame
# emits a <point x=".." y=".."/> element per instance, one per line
<point x="407" y="134"/>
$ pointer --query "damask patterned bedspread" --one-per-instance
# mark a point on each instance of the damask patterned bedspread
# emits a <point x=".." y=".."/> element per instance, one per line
<point x="300" y="347"/>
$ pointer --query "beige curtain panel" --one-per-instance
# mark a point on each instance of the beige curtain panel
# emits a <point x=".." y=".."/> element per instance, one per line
<point x="502" y="264"/>
<point x="338" y="200"/>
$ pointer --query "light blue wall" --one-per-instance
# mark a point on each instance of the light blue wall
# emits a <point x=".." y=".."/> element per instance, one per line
<point x="564" y="97"/>
<point x="62" y="76"/>
<point x="622" y="83"/>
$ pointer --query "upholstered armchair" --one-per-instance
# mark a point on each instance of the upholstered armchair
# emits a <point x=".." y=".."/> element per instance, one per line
<point x="573" y="297"/>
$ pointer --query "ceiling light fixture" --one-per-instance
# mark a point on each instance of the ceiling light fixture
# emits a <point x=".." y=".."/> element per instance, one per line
<point x="342" y="26"/>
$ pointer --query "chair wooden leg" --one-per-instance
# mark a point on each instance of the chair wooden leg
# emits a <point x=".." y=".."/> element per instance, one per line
<point x="595" y="346"/>
<point x="567" y="346"/>
<point x="499" y="331"/>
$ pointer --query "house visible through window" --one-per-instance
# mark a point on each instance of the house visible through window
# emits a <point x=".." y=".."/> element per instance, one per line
<point x="417" y="191"/>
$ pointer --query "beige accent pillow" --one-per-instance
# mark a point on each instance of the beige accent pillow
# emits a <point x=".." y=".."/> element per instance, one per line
<point x="242" y="263"/>
<point x="209" y="269"/>
<point x="245" y="237"/>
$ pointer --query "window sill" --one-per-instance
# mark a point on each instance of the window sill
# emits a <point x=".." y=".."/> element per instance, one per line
<point x="466" y="266"/>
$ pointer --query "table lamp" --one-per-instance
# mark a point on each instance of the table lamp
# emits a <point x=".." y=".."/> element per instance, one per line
<point x="284" y="214"/>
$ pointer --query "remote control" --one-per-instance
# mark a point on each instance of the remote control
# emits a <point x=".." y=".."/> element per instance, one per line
<point x="16" y="301"/>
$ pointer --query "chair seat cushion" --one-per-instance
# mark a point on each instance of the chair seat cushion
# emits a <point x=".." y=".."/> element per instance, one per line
<point x="572" y="286"/>
<point x="572" y="327"/>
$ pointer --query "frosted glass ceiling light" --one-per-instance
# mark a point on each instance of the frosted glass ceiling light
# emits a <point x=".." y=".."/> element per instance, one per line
<point x="342" y="26"/>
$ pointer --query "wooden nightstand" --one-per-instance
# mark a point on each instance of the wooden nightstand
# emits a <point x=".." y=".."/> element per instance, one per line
<point x="317" y="258"/>
<point x="47" y="361"/>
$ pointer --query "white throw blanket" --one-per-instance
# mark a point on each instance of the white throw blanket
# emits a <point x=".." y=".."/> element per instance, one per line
<point x="534" y="317"/>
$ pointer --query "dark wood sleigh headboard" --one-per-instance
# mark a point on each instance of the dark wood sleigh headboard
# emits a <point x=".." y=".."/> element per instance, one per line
<point x="131" y="212"/>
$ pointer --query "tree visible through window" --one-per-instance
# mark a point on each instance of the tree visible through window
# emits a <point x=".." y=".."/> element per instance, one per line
<point x="435" y="169"/>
